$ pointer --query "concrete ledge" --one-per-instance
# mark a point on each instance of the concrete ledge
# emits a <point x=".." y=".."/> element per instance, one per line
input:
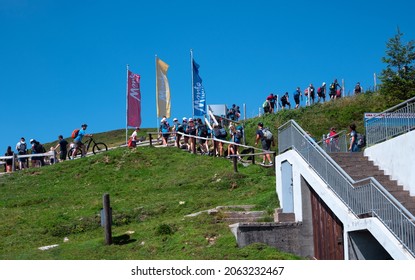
<point x="281" y="217"/>
<point x="282" y="236"/>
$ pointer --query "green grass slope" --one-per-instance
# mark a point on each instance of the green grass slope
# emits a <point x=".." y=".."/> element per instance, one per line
<point x="151" y="190"/>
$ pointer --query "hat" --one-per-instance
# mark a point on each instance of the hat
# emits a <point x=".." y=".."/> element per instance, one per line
<point x="31" y="140"/>
<point x="84" y="125"/>
<point x="324" y="83"/>
<point x="190" y="119"/>
<point x="175" y="119"/>
<point x="163" y="119"/>
<point x="261" y="124"/>
<point x="184" y="119"/>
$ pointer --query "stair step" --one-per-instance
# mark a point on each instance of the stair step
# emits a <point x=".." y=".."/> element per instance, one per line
<point x="244" y="214"/>
<point x="409" y="204"/>
<point x="239" y="216"/>
<point x="360" y="167"/>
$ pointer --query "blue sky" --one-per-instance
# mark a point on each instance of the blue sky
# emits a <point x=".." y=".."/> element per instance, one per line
<point x="63" y="63"/>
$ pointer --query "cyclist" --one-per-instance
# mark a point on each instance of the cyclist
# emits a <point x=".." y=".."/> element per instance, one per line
<point x="78" y="141"/>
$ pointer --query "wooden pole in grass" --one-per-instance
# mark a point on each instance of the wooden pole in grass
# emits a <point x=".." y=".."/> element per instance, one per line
<point x="235" y="164"/>
<point x="107" y="219"/>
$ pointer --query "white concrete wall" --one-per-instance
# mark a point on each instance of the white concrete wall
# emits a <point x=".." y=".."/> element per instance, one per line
<point x="350" y="222"/>
<point x="397" y="158"/>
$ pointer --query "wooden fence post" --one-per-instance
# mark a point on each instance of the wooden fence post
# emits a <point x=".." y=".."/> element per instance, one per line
<point x="194" y="145"/>
<point x="235" y="163"/>
<point x="150" y="138"/>
<point x="107" y="219"/>
<point x="273" y="156"/>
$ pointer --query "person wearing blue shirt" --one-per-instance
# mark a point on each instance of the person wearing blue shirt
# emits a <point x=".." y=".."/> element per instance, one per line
<point x="78" y="140"/>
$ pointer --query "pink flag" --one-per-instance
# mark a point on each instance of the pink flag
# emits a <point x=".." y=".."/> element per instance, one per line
<point x="134" y="100"/>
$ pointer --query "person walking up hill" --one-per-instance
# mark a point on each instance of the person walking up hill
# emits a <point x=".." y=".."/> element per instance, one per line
<point x="267" y="139"/>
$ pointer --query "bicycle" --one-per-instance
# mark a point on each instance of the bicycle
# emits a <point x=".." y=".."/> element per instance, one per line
<point x="97" y="147"/>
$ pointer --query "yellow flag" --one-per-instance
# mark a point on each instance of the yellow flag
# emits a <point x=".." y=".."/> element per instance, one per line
<point x="162" y="89"/>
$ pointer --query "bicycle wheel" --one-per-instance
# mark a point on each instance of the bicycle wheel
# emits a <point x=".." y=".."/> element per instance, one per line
<point x="99" y="147"/>
<point x="78" y="153"/>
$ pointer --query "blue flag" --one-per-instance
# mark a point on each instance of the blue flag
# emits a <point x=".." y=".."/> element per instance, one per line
<point x="199" y="96"/>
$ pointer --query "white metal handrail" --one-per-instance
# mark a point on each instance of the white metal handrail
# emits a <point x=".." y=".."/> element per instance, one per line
<point x="390" y="123"/>
<point x="361" y="198"/>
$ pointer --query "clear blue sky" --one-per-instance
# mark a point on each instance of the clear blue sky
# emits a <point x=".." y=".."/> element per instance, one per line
<point x="63" y="63"/>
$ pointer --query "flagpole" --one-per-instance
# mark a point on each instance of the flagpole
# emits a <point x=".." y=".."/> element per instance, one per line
<point x="343" y="89"/>
<point x="191" y="71"/>
<point x="157" y="104"/>
<point x="126" y="109"/>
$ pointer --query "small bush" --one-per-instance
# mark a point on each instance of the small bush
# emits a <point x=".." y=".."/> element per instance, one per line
<point x="164" y="229"/>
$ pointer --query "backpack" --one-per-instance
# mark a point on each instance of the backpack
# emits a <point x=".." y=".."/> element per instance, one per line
<point x="38" y="148"/>
<point x="332" y="86"/>
<point x="267" y="133"/>
<point x="239" y="132"/>
<point x="223" y="132"/>
<point x="191" y="130"/>
<point x="75" y="133"/>
<point x="130" y="143"/>
<point x="42" y="149"/>
<point x="284" y="98"/>
<point x="361" y="140"/>
<point x="22" y="148"/>
<point x="231" y="112"/>
<point x="164" y="128"/>
<point x="319" y="90"/>
<point x="216" y="132"/>
<point x="180" y="128"/>
<point x="202" y="129"/>
<point x="265" y="104"/>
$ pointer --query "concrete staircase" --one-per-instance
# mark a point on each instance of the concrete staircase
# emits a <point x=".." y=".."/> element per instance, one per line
<point x="360" y="167"/>
<point x="239" y="214"/>
<point x="235" y="214"/>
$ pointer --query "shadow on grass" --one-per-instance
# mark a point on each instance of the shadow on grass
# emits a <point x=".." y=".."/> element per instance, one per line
<point x="122" y="240"/>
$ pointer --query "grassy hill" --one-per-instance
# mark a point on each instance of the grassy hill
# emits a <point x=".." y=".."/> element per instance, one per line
<point x="318" y="119"/>
<point x="151" y="192"/>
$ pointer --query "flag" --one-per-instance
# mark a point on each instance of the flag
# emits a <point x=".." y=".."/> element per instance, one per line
<point x="199" y="96"/>
<point x="133" y="100"/>
<point x="162" y="89"/>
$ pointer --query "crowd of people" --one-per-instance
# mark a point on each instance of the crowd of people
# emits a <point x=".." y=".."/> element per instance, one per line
<point x="33" y="154"/>
<point x="310" y="93"/>
<point x="194" y="135"/>
<point x="220" y="139"/>
<point x="23" y="149"/>
<point x="233" y="113"/>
